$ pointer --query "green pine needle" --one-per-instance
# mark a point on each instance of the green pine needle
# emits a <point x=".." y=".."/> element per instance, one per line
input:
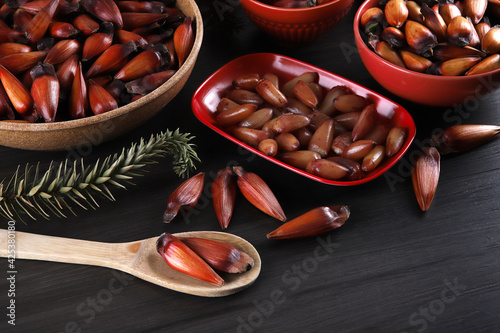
<point x="67" y="184"/>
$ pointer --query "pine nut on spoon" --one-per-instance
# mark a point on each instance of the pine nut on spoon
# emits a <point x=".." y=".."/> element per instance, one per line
<point x="138" y="258"/>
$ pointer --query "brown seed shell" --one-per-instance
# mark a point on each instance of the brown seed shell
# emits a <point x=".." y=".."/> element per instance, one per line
<point x="341" y="142"/>
<point x="45" y="91"/>
<point x="257" y="119"/>
<point x="354" y="167"/>
<point x="303" y="92"/>
<point x="181" y="258"/>
<point x="414" y="61"/>
<point x="86" y="24"/>
<point x="322" y="139"/>
<point x="62" y="50"/>
<point x="307" y="77"/>
<point x="223" y="191"/>
<point x="350" y="103"/>
<point x="258" y="193"/>
<point x="287" y="142"/>
<point x="147" y="62"/>
<point x="396" y="12"/>
<point x="296" y="106"/>
<point x="490" y="43"/>
<point x="419" y="37"/>
<point x="225" y="104"/>
<point x="19" y="96"/>
<point x="299" y="158"/>
<point x="100" y="100"/>
<point x="348" y="120"/>
<point x="270" y="93"/>
<point x="185" y="195"/>
<point x="459" y="138"/>
<point x="448" y="11"/>
<point x="358" y="150"/>
<point x="313" y="223"/>
<point x="220" y="255"/>
<point x="242" y="96"/>
<point x="247" y="81"/>
<point x="395" y="140"/>
<point x="19" y="62"/>
<point x="488" y="64"/>
<point x="304" y="136"/>
<point x="366" y="122"/>
<point x="327" y="105"/>
<point x="475" y="9"/>
<point x="290" y="122"/>
<point x="460" y="31"/>
<point x="78" y="100"/>
<point x="371" y="19"/>
<point x="250" y="136"/>
<point x="373" y="159"/>
<point x="435" y="22"/>
<point x="327" y="169"/>
<point x="425" y="176"/>
<point x="183" y="39"/>
<point x="268" y="147"/>
<point x="97" y="43"/>
<point x="235" y="114"/>
<point x="36" y="28"/>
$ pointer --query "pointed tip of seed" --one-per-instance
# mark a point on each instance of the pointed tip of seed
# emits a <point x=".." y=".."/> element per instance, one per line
<point x="244" y="264"/>
<point x="162" y="241"/>
<point x="170" y="213"/>
<point x="281" y="216"/>
<point x="223" y="192"/>
<point x="272" y="235"/>
<point x="167" y="218"/>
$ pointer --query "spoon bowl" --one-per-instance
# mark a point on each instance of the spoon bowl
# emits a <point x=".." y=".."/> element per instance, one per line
<point x="138" y="258"/>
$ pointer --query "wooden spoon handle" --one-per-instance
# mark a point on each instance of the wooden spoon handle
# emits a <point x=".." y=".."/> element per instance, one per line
<point x="50" y="248"/>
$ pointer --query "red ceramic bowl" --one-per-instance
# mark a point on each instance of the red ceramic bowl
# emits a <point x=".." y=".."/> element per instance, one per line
<point x="426" y="89"/>
<point x="296" y="26"/>
<point x="208" y="95"/>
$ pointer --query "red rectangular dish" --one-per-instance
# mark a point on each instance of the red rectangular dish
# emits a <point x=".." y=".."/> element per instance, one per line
<point x="214" y="88"/>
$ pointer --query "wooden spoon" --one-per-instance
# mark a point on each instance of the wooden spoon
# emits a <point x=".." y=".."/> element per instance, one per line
<point x="138" y="258"/>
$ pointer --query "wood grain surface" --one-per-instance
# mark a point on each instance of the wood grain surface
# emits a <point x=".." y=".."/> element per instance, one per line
<point x="390" y="268"/>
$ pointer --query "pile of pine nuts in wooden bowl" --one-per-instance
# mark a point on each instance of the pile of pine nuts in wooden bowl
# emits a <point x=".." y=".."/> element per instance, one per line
<point x="80" y="73"/>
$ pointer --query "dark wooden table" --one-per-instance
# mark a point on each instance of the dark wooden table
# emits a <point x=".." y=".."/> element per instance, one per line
<point x="390" y="268"/>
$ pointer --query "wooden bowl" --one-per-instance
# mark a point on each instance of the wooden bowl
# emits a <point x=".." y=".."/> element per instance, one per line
<point x="91" y="131"/>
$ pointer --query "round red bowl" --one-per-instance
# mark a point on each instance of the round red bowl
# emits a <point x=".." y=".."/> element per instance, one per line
<point x="209" y="93"/>
<point x="296" y="26"/>
<point x="426" y="89"/>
